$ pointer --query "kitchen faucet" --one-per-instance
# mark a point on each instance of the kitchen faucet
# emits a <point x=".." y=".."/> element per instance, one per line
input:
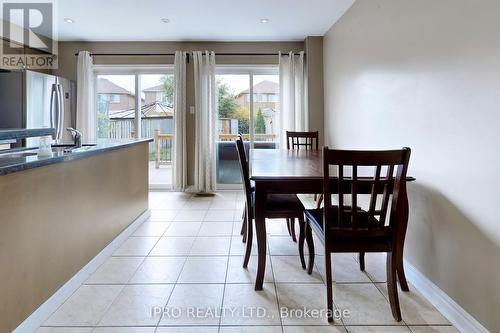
<point x="77" y="136"/>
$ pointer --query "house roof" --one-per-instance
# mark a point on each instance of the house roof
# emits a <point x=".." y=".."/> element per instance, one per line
<point x="264" y="87"/>
<point x="150" y="110"/>
<point x="104" y="86"/>
<point x="154" y="89"/>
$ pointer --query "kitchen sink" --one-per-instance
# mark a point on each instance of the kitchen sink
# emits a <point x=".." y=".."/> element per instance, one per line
<point x="68" y="145"/>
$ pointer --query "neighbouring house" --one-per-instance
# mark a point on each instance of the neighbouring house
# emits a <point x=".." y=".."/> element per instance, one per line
<point x="265" y="99"/>
<point x="113" y="96"/>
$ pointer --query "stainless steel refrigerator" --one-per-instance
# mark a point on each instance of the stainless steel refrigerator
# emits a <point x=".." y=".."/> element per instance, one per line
<point x="31" y="99"/>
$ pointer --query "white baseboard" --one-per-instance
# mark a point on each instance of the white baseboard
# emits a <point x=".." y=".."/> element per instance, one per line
<point x="33" y="322"/>
<point x="460" y="318"/>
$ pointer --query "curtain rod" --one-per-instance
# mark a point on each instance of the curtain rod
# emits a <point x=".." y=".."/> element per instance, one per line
<point x="173" y="54"/>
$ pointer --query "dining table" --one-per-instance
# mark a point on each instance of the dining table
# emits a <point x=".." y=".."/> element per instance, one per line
<point x="282" y="171"/>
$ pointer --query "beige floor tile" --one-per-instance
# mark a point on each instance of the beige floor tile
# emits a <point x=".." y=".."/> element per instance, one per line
<point x="241" y="299"/>
<point x="237" y="228"/>
<point x="159" y="270"/>
<point x="197" y="205"/>
<point x="115" y="270"/>
<point x="216" y="229"/>
<point x="344" y="268"/>
<point x="378" y="329"/>
<point x="204" y="270"/>
<point x="152" y="229"/>
<point x="165" y="215"/>
<point x="288" y="269"/>
<point x="173" y="246"/>
<point x="168" y="204"/>
<point x="63" y="330"/>
<point x="375" y="266"/>
<point x="250" y="329"/>
<point x="237" y="274"/>
<point x="366" y="304"/>
<point x="222" y="204"/>
<point x="205" y="329"/>
<point x="85" y="307"/>
<point x="221" y="215"/>
<point x="189" y="298"/>
<point x="133" y="307"/>
<point x="238" y="247"/>
<point x="283" y="246"/>
<point x="293" y="298"/>
<point x="433" y="329"/>
<point x="415" y="309"/>
<point x="136" y="246"/>
<point x="190" y="216"/>
<point x="277" y="227"/>
<point x="124" y="330"/>
<point x="183" y="229"/>
<point x="314" y="329"/>
<point x="211" y="246"/>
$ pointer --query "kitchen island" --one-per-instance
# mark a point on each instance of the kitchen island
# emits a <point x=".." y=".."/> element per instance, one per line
<point x="57" y="213"/>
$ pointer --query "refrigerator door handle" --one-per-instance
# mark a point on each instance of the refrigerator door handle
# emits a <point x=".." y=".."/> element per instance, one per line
<point x="60" y="95"/>
<point x="53" y="109"/>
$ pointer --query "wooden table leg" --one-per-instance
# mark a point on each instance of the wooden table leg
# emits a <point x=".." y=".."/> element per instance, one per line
<point x="260" y="231"/>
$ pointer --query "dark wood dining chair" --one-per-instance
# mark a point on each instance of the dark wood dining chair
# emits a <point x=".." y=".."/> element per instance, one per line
<point x="278" y="206"/>
<point x="349" y="228"/>
<point x="307" y="140"/>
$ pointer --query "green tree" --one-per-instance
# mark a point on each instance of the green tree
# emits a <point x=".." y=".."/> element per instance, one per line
<point x="226" y="101"/>
<point x="260" y="123"/>
<point x="168" y="88"/>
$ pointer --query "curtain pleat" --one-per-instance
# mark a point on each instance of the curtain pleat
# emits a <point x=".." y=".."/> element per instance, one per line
<point x="85" y="111"/>
<point x="205" y="105"/>
<point x="179" y="170"/>
<point x="294" y="113"/>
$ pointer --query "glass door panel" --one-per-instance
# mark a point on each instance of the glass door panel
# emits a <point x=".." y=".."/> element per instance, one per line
<point x="115" y="106"/>
<point x="266" y="108"/>
<point x="233" y="102"/>
<point x="157" y="112"/>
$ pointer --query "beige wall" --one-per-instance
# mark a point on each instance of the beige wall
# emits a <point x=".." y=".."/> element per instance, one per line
<point x="315" y="101"/>
<point x="67" y="64"/>
<point x="426" y="74"/>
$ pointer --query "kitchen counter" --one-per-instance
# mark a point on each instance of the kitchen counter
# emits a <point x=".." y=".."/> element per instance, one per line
<point x="28" y="159"/>
<point x="21" y="133"/>
<point x="57" y="213"/>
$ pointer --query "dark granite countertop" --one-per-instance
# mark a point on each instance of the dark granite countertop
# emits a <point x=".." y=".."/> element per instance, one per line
<point x="21" y="133"/>
<point x="28" y="159"/>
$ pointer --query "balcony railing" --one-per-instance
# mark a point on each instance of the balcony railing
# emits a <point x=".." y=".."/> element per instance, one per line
<point x="246" y="137"/>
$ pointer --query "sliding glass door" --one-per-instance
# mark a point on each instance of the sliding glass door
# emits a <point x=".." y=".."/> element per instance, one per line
<point x="248" y="104"/>
<point x="135" y="103"/>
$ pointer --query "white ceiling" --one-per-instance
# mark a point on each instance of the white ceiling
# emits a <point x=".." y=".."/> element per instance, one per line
<point x="197" y="20"/>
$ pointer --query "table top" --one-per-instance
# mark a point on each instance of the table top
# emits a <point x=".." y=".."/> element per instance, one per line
<point x="291" y="164"/>
<point x="282" y="163"/>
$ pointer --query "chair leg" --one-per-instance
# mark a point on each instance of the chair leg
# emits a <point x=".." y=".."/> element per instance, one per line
<point x="292" y="230"/>
<point x="302" y="237"/>
<point x="310" y="247"/>
<point x="288" y="226"/>
<point x="248" y="249"/>
<point x="401" y="274"/>
<point x="243" y="231"/>
<point x="329" y="286"/>
<point x="362" y="261"/>
<point x="392" y="286"/>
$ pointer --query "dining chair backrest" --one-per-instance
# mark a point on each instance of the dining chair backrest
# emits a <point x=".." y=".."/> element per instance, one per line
<point x="388" y="180"/>
<point x="308" y="140"/>
<point x="245" y="171"/>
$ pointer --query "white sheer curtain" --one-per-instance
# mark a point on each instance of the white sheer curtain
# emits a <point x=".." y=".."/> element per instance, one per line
<point x="294" y="115"/>
<point x="179" y="168"/>
<point x="85" y="111"/>
<point x="205" y="91"/>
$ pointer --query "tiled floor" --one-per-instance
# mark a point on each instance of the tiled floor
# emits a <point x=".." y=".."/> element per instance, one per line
<point x="187" y="258"/>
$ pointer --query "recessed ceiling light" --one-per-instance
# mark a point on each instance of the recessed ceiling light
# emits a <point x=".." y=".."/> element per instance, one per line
<point x="165" y="20"/>
<point x="264" y="20"/>
<point x="69" y="20"/>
